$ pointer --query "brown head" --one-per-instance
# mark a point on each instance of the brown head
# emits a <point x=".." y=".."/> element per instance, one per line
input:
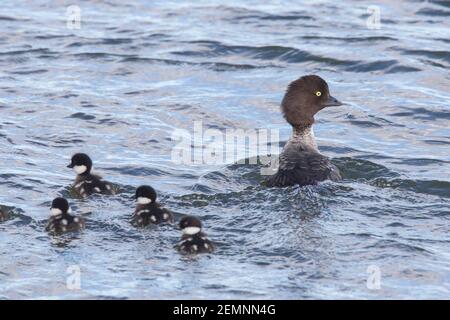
<point x="304" y="98"/>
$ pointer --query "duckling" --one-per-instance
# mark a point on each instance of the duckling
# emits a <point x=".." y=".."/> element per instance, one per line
<point x="61" y="220"/>
<point x="193" y="239"/>
<point x="87" y="183"/>
<point x="148" y="211"/>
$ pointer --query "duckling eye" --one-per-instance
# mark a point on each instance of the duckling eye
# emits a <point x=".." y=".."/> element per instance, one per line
<point x="318" y="93"/>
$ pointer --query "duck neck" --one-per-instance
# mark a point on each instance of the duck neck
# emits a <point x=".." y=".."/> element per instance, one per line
<point x="304" y="135"/>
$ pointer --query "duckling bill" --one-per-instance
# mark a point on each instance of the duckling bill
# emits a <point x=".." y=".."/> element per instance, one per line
<point x="300" y="161"/>
<point x="148" y="211"/>
<point x="61" y="220"/>
<point x="87" y="183"/>
<point x="193" y="239"/>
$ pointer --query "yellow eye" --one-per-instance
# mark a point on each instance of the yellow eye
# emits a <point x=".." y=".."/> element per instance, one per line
<point x="318" y="93"/>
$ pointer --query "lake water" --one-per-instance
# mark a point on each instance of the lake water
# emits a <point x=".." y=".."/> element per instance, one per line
<point x="119" y="87"/>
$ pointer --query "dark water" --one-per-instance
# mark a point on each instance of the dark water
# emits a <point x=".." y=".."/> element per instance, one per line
<point x="118" y="88"/>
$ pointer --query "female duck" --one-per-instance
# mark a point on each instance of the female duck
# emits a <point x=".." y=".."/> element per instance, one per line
<point x="300" y="162"/>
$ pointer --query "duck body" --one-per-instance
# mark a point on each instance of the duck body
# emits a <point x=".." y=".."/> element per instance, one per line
<point x="87" y="184"/>
<point x="64" y="223"/>
<point x="152" y="213"/>
<point x="301" y="163"/>
<point x="197" y="243"/>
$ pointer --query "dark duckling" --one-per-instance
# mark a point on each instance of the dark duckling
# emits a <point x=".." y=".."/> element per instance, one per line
<point x="87" y="183"/>
<point x="61" y="220"/>
<point x="193" y="239"/>
<point x="148" y="211"/>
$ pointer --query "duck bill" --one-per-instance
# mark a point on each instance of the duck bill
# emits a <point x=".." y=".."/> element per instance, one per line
<point x="332" y="102"/>
<point x="70" y="166"/>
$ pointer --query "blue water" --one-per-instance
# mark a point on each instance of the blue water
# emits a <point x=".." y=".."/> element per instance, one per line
<point x="119" y="86"/>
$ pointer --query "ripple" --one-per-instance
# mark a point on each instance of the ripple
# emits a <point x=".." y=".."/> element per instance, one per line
<point x="389" y="66"/>
<point x="432" y="187"/>
<point x="287" y="54"/>
<point x="434" y="12"/>
<point x="82" y="116"/>
<point x="422" y="113"/>
<point x="139" y="171"/>
<point x="25" y="72"/>
<point x="354" y="169"/>
<point x="351" y="39"/>
<point x="8" y="18"/>
<point x="217" y="66"/>
<point x="433" y="54"/>
<point x="28" y="51"/>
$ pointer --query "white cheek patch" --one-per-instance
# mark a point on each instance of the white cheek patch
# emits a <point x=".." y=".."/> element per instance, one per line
<point x="191" y="230"/>
<point x="80" y="169"/>
<point x="55" y="211"/>
<point x="144" y="200"/>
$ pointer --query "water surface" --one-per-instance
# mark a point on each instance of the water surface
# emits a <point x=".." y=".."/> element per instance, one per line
<point x="118" y="88"/>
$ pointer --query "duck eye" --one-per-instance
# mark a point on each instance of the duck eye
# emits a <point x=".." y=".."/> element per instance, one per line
<point x="318" y="93"/>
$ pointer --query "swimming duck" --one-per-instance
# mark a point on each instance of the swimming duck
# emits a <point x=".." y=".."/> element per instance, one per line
<point x="61" y="220"/>
<point x="300" y="161"/>
<point x="87" y="183"/>
<point x="148" y="211"/>
<point x="193" y="239"/>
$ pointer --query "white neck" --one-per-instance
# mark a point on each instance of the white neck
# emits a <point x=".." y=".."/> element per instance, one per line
<point x="305" y="135"/>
